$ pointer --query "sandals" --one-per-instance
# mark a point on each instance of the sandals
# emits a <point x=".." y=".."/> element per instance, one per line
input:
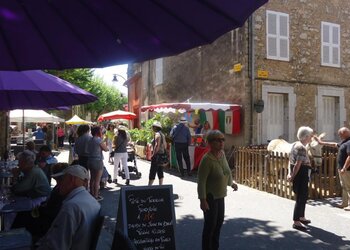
<point x="298" y="227"/>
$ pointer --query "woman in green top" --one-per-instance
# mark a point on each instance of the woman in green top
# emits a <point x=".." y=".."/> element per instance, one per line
<point x="214" y="175"/>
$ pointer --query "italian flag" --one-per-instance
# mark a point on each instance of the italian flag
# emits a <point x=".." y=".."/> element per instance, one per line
<point x="228" y="122"/>
<point x="211" y="117"/>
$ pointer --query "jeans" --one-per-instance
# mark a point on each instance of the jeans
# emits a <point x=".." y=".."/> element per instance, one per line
<point x="300" y="188"/>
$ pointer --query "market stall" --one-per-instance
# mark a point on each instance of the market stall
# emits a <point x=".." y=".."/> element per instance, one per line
<point x="223" y="117"/>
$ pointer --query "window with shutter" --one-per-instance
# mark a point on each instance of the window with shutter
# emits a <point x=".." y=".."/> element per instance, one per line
<point x="159" y="71"/>
<point x="277" y="35"/>
<point x="330" y="48"/>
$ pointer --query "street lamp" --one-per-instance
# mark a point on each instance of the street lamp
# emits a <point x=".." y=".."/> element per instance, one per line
<point x="115" y="78"/>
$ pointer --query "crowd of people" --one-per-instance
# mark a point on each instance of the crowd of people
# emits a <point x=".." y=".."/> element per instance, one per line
<point x="74" y="183"/>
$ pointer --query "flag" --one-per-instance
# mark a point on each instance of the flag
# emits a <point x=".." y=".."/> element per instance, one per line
<point x="232" y="121"/>
<point x="211" y="116"/>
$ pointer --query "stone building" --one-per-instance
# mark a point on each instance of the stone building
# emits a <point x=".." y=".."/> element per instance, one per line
<point x="292" y="57"/>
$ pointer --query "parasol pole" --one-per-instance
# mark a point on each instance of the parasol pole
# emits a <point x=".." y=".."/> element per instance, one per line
<point x="23" y="132"/>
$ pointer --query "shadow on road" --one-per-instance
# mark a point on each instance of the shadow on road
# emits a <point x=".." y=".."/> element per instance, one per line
<point x="247" y="233"/>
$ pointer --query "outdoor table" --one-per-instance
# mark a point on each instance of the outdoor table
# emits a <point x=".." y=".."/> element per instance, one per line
<point x="9" y="209"/>
<point x="15" y="239"/>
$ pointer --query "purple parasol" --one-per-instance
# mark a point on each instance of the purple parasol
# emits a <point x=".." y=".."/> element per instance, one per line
<point x="36" y="89"/>
<point x="61" y="34"/>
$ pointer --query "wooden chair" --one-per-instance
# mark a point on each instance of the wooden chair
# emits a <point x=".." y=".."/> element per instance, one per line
<point x="97" y="231"/>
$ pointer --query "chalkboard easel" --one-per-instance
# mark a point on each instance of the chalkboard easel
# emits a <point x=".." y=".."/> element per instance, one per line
<point x="146" y="216"/>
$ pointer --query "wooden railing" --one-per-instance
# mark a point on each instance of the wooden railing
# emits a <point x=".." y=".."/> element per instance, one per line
<point x="256" y="168"/>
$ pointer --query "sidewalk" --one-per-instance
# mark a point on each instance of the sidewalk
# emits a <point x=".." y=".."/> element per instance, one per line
<point x="254" y="219"/>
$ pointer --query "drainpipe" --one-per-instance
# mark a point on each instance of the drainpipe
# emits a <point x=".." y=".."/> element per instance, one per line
<point x="252" y="73"/>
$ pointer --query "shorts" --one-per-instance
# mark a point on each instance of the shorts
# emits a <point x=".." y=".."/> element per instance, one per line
<point x="156" y="169"/>
<point x="95" y="164"/>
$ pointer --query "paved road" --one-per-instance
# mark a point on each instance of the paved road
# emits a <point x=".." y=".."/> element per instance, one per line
<point x="254" y="219"/>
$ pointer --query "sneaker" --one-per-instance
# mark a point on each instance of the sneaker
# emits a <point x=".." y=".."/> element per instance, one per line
<point x="99" y="198"/>
<point x="115" y="181"/>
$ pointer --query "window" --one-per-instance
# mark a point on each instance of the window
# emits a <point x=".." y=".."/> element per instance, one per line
<point x="331" y="113"/>
<point x="278" y="117"/>
<point x="277" y="35"/>
<point x="159" y="71"/>
<point x="330" y="49"/>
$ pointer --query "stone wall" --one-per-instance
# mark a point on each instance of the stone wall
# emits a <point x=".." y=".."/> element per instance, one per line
<point x="205" y="74"/>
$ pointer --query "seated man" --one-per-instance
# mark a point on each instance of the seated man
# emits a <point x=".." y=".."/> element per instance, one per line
<point x="73" y="226"/>
<point x="34" y="183"/>
<point x="38" y="224"/>
<point x="45" y="160"/>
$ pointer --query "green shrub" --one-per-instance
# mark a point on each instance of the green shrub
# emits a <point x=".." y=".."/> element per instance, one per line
<point x="145" y="134"/>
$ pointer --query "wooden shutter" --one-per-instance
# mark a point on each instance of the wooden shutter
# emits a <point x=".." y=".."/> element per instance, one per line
<point x="275" y="121"/>
<point x="330" y="52"/>
<point x="277" y="35"/>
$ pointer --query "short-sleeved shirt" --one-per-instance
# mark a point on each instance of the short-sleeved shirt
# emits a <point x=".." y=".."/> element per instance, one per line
<point x="343" y="152"/>
<point x="81" y="145"/>
<point x="299" y="153"/>
<point x="94" y="148"/>
<point x="34" y="184"/>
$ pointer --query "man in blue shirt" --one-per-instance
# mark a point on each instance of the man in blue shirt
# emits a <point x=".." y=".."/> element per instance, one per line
<point x="39" y="134"/>
<point x="182" y="139"/>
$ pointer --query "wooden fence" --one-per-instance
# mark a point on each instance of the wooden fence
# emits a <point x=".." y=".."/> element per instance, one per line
<point x="256" y="168"/>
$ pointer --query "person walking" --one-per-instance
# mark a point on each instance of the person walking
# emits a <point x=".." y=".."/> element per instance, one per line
<point x="299" y="165"/>
<point x="120" y="142"/>
<point x="95" y="161"/>
<point x="214" y="175"/>
<point x="343" y="159"/>
<point x="60" y="136"/>
<point x="159" y="148"/>
<point x="182" y="139"/>
<point x="109" y="141"/>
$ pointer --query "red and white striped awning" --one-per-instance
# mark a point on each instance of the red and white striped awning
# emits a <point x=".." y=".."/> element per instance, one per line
<point x="184" y="107"/>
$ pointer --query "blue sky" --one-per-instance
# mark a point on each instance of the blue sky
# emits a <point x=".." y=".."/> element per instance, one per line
<point x="107" y="75"/>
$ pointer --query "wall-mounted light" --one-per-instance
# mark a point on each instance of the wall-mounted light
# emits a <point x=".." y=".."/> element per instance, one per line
<point x="259" y="106"/>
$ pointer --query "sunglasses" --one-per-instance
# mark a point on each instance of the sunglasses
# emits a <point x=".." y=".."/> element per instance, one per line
<point x="219" y="139"/>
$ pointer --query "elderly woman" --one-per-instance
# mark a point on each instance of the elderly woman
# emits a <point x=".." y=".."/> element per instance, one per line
<point x="298" y="174"/>
<point x="95" y="160"/>
<point x="214" y="175"/>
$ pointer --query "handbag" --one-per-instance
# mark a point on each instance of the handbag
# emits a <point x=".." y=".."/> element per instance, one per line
<point x="162" y="158"/>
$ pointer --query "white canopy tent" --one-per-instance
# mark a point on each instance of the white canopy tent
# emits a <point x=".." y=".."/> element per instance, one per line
<point x="29" y="115"/>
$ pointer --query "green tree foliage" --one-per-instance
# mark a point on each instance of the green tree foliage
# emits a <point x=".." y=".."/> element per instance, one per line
<point x="109" y="97"/>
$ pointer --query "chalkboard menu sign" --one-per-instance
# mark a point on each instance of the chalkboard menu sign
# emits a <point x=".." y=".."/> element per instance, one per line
<point x="146" y="215"/>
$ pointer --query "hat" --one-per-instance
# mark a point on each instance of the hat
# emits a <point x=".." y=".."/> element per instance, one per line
<point x="121" y="127"/>
<point x="157" y="124"/>
<point x="183" y="119"/>
<point x="75" y="170"/>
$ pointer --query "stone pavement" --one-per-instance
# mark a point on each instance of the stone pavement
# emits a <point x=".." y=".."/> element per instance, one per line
<point x="254" y="219"/>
